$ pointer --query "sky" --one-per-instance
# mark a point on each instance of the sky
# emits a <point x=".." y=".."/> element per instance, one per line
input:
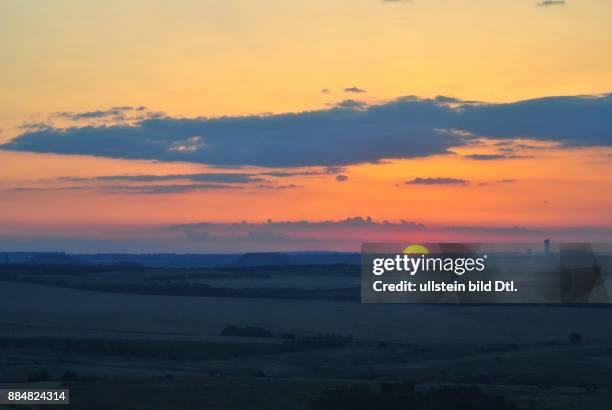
<point x="234" y="125"/>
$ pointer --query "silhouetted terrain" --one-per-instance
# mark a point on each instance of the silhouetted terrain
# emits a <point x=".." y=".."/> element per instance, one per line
<point x="171" y="260"/>
<point x="123" y="334"/>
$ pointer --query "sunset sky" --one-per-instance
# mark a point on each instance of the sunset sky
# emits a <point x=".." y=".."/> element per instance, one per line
<point x="241" y="125"/>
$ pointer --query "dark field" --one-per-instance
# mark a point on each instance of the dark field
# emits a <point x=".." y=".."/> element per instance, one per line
<point x="98" y="332"/>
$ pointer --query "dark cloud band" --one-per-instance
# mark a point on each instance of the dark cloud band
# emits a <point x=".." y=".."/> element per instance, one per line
<point x="408" y="127"/>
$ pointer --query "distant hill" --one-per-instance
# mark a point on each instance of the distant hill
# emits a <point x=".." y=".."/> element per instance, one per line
<point x="264" y="259"/>
<point x="172" y="260"/>
<point x="54" y="259"/>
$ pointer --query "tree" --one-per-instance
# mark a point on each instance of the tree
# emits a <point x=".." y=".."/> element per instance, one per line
<point x="574" y="338"/>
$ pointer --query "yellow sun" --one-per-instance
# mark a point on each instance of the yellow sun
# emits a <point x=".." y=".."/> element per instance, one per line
<point x="418" y="249"/>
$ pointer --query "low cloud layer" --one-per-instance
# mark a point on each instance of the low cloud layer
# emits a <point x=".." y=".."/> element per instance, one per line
<point x="345" y="234"/>
<point x="348" y="233"/>
<point x="297" y="232"/>
<point x="408" y="127"/>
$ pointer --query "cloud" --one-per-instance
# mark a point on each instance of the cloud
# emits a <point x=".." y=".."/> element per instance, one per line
<point x="551" y="3"/>
<point x="49" y="189"/>
<point x="332" y="137"/>
<point x="201" y="182"/>
<point x="408" y="127"/>
<point x="445" y="99"/>
<point x="216" y="177"/>
<point x="118" y="115"/>
<point x="352" y="104"/>
<point x="35" y="126"/>
<point x="151" y="189"/>
<point x="89" y="114"/>
<point x="571" y="121"/>
<point x="167" y="189"/>
<point x="499" y="181"/>
<point x="202" y="177"/>
<point x="437" y="181"/>
<point x="356" y="90"/>
<point x="344" y="234"/>
<point x="277" y="187"/>
<point x="494" y="230"/>
<point x="490" y="157"/>
<point x="132" y="189"/>
<point x="284" y="174"/>
<point x="86" y="115"/>
<point x="442" y="99"/>
<point x="289" y="234"/>
<point x="303" y="225"/>
<point x="342" y="178"/>
<point x="325" y="91"/>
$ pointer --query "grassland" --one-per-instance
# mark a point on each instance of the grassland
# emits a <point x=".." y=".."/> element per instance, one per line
<point x="163" y="351"/>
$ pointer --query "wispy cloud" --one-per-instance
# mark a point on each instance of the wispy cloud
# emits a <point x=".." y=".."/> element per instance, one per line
<point x="491" y="157"/>
<point x="308" y="172"/>
<point x="342" y="178"/>
<point x="168" y="189"/>
<point x="209" y="177"/>
<point x="437" y="181"/>
<point x="356" y="90"/>
<point x="352" y="104"/>
<point x="49" y="188"/>
<point x="200" y="177"/>
<point x="546" y="3"/>
<point x="35" y="126"/>
<point x="106" y="117"/>
<point x="131" y="189"/>
<point x="500" y="181"/>
<point x="111" y="112"/>
<point x="139" y="184"/>
<point x="277" y="187"/>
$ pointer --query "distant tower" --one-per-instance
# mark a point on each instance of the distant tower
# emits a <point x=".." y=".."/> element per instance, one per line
<point x="546" y="246"/>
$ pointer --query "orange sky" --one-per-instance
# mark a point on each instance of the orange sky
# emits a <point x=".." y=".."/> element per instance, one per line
<point x="228" y="58"/>
<point x="555" y="185"/>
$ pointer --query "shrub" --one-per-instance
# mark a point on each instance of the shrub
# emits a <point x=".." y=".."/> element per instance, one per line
<point x="574" y="338"/>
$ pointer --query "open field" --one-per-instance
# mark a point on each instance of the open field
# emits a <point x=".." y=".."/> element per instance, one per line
<point x="127" y="346"/>
<point x="46" y="310"/>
